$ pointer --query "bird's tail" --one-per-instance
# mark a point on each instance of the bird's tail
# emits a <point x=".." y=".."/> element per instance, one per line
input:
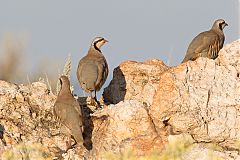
<point x="78" y="135"/>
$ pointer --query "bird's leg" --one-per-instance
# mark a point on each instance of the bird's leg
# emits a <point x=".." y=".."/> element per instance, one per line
<point x="92" y="101"/>
<point x="95" y="95"/>
<point x="95" y="98"/>
<point x="91" y="95"/>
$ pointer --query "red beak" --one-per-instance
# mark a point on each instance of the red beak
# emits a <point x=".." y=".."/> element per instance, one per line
<point x="105" y="40"/>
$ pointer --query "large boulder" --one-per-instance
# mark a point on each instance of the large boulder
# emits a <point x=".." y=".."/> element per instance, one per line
<point x="134" y="80"/>
<point x="126" y="125"/>
<point x="202" y="98"/>
<point x="150" y="106"/>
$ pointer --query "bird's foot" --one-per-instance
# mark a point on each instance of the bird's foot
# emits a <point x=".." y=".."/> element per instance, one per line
<point x="93" y="104"/>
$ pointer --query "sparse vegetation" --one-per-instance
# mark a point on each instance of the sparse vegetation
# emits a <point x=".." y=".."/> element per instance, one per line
<point x="173" y="151"/>
<point x="12" y="51"/>
<point x="27" y="152"/>
<point x="13" y="64"/>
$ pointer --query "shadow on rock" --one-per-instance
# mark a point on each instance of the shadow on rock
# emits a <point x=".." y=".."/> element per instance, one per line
<point x="2" y="129"/>
<point x="116" y="90"/>
<point x="87" y="122"/>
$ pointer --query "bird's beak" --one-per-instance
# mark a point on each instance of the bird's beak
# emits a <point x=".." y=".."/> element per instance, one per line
<point x="105" y="40"/>
<point x="226" y="24"/>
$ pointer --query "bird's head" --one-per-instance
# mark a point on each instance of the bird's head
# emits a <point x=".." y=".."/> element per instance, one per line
<point x="98" y="42"/>
<point x="64" y="81"/>
<point x="219" y="24"/>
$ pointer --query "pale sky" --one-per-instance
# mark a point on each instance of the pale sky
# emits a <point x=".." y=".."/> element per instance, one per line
<point x="136" y="29"/>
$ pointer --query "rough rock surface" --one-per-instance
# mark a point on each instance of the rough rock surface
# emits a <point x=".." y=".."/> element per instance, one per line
<point x="123" y="126"/>
<point x="202" y="98"/>
<point x="26" y="116"/>
<point x="134" y="80"/>
<point x="150" y="105"/>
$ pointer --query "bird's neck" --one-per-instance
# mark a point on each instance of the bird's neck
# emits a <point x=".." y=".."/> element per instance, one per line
<point x="96" y="47"/>
<point x="65" y="92"/>
<point x="217" y="30"/>
<point x="94" y="51"/>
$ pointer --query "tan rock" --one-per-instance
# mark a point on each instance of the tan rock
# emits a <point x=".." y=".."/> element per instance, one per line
<point x="19" y="98"/>
<point x="229" y="55"/>
<point x="134" y="80"/>
<point x="201" y="98"/>
<point x="123" y="126"/>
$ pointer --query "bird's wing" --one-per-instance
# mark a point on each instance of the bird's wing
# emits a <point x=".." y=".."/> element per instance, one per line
<point x="80" y="68"/>
<point x="102" y="72"/>
<point x="65" y="111"/>
<point x="77" y="107"/>
<point x="201" y="45"/>
<point x="214" y="48"/>
<point x="88" y="73"/>
<point x="60" y="111"/>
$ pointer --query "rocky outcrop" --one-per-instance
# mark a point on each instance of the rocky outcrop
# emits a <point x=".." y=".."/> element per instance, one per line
<point x="123" y="126"/>
<point x="134" y="80"/>
<point x="202" y="98"/>
<point x="26" y="115"/>
<point x="150" y="107"/>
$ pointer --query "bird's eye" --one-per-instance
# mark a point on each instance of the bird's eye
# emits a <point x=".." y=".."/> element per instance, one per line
<point x="221" y="25"/>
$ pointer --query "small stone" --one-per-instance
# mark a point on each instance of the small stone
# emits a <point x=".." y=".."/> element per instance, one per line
<point x="20" y="98"/>
<point x="9" y="140"/>
<point x="16" y="115"/>
<point x="34" y="115"/>
<point x="23" y="138"/>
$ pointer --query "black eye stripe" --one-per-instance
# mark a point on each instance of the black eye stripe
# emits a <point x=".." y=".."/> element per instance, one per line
<point x="61" y="81"/>
<point x="99" y="40"/>
<point x="221" y="25"/>
<point x="95" y="44"/>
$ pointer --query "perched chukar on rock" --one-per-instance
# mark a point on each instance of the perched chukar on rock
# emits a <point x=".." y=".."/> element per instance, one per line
<point x="208" y="43"/>
<point x="92" y="69"/>
<point x="68" y="112"/>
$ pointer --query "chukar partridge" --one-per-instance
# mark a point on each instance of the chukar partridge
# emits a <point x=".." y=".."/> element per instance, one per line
<point x="92" y="69"/>
<point x="208" y="43"/>
<point x="68" y="112"/>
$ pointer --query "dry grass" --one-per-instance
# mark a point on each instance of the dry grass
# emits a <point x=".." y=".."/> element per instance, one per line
<point x="27" y="152"/>
<point x="173" y="151"/>
<point x="13" y="63"/>
<point x="12" y="51"/>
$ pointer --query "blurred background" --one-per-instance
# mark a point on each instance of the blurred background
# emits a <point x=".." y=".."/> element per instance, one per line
<point x="36" y="37"/>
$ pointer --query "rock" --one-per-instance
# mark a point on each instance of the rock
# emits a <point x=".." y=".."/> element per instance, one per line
<point x="203" y="152"/>
<point x="27" y="151"/>
<point x="134" y="80"/>
<point x="151" y="107"/>
<point x="19" y="98"/>
<point x="201" y="98"/>
<point x="183" y="146"/>
<point x="122" y="126"/>
<point x="25" y="112"/>
<point x="229" y="55"/>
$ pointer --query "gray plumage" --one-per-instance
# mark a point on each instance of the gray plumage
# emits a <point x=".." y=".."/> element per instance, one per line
<point x="208" y="43"/>
<point x="68" y="112"/>
<point x="92" y="69"/>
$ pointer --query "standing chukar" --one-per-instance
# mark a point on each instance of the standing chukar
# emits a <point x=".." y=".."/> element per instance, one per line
<point x="68" y="112"/>
<point x="208" y="43"/>
<point x="92" y="69"/>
